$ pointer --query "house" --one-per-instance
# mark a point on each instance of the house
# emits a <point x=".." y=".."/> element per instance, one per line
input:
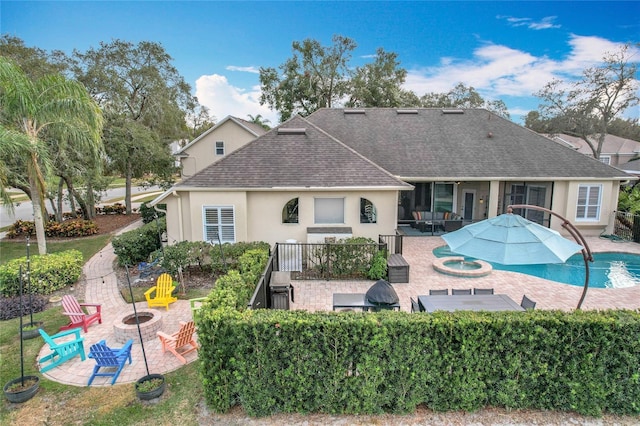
<point x="365" y="172"/>
<point x="222" y="139"/>
<point x="616" y="151"/>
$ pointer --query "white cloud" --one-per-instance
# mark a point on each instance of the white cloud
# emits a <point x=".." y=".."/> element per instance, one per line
<point x="252" y="70"/>
<point x="223" y="99"/>
<point x="497" y="70"/>
<point x="544" y="24"/>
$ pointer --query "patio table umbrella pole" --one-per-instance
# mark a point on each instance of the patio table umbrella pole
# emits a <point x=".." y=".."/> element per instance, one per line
<point x="586" y="251"/>
<point x="135" y="313"/>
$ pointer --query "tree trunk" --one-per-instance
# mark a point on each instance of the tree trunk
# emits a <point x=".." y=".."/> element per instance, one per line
<point x="91" y="202"/>
<point x="58" y="209"/>
<point x="36" y="201"/>
<point x="127" y="193"/>
<point x="78" y="197"/>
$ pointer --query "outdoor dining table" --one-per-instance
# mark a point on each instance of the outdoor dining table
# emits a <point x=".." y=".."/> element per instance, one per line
<point x="357" y="300"/>
<point x="474" y="302"/>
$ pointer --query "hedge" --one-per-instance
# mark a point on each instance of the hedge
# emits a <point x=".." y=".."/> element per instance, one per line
<point x="272" y="361"/>
<point x="49" y="272"/>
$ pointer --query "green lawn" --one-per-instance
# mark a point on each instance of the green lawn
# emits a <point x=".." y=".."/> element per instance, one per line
<point x="87" y="245"/>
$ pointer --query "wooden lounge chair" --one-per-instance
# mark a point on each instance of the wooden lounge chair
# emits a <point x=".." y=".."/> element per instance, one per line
<point x="160" y="294"/>
<point x="109" y="358"/>
<point x="61" y="351"/>
<point x="180" y="343"/>
<point x="78" y="316"/>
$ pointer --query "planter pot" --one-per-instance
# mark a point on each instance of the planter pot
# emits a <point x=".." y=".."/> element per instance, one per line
<point x="144" y="393"/>
<point x="16" y="393"/>
<point x="32" y="330"/>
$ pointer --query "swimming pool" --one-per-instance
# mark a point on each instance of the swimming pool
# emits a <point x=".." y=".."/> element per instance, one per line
<point x="609" y="270"/>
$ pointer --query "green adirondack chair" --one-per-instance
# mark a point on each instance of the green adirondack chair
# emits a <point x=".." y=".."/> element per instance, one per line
<point x="61" y="351"/>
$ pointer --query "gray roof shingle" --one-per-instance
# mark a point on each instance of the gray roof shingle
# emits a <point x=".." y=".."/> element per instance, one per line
<point x="463" y="145"/>
<point x="309" y="159"/>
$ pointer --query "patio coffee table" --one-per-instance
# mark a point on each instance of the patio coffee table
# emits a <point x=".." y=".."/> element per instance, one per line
<point x="474" y="302"/>
<point x="357" y="300"/>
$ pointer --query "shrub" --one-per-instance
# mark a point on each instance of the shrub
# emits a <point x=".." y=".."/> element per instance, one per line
<point x="10" y="306"/>
<point x="49" y="272"/>
<point x="227" y="256"/>
<point x="149" y="213"/>
<point x="116" y="208"/>
<point x="183" y="255"/>
<point x="378" y="269"/>
<point x="67" y="229"/>
<point x="135" y="246"/>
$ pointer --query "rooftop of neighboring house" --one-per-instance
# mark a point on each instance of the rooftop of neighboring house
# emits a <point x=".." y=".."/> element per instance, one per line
<point x="613" y="145"/>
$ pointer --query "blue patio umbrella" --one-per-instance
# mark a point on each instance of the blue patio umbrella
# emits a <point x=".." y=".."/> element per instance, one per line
<point x="510" y="239"/>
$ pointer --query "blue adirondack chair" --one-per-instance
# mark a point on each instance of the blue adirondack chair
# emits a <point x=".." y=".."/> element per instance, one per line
<point x="109" y="358"/>
<point x="61" y="351"/>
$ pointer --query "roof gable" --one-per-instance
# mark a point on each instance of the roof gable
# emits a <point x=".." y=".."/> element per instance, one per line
<point x="252" y="128"/>
<point x="296" y="154"/>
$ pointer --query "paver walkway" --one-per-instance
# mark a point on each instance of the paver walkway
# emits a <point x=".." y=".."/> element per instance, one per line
<point x="102" y="287"/>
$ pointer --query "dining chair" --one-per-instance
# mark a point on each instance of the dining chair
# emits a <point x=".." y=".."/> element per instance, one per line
<point x="415" y="307"/>
<point x="482" y="291"/>
<point x="443" y="292"/>
<point x="458" y="292"/>
<point x="527" y="303"/>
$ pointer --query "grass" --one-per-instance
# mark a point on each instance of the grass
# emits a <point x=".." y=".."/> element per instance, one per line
<point x="60" y="404"/>
<point x="87" y="245"/>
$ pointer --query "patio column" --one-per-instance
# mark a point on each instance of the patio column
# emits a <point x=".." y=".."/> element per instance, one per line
<point x="494" y="198"/>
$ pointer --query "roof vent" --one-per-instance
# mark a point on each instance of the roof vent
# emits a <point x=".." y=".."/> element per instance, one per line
<point x="292" y="131"/>
<point x="354" y="111"/>
<point x="407" y="111"/>
<point x="453" y="111"/>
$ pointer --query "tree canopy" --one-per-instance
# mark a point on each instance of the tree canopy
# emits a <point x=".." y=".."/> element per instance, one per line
<point x="587" y="108"/>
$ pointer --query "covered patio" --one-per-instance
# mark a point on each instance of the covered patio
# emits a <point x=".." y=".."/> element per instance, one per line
<point x="317" y="295"/>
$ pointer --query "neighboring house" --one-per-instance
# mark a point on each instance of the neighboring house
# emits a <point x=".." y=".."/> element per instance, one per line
<point x="363" y="172"/>
<point x="219" y="141"/>
<point x="616" y="151"/>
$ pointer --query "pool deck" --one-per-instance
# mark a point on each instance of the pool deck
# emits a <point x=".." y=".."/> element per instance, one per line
<point x="317" y="295"/>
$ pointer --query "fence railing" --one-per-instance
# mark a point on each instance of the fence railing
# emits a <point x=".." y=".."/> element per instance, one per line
<point x="392" y="243"/>
<point x="260" y="297"/>
<point x="626" y="226"/>
<point x="325" y="261"/>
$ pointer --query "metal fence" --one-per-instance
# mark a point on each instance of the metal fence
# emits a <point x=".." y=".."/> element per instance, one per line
<point x="392" y="243"/>
<point x="325" y="261"/>
<point x="260" y="297"/>
<point x="626" y="226"/>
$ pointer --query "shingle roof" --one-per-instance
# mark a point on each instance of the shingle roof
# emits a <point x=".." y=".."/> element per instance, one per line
<point x="252" y="128"/>
<point x="461" y="144"/>
<point x="302" y="156"/>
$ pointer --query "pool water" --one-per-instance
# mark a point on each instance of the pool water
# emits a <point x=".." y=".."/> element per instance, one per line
<point x="609" y="270"/>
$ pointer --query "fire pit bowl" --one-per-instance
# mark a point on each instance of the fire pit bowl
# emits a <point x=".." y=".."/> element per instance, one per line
<point x="125" y="328"/>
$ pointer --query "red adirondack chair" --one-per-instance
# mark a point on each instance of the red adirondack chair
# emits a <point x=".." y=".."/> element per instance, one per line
<point x="78" y="316"/>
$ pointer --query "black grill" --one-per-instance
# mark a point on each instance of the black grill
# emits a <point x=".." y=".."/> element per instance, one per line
<point x="382" y="294"/>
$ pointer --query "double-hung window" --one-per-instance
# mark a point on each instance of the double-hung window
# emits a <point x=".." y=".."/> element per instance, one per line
<point x="219" y="224"/>
<point x="219" y="148"/>
<point x="589" y="199"/>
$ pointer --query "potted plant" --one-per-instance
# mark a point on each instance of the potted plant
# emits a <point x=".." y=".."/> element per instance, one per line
<point x="30" y="329"/>
<point x="21" y="389"/>
<point x="150" y="386"/>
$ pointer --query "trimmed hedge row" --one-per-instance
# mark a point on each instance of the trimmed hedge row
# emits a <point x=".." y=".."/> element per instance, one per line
<point x="49" y="272"/>
<point x="272" y="361"/>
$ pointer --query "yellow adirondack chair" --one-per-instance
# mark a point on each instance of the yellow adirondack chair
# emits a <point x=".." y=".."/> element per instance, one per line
<point x="180" y="343"/>
<point x="160" y="294"/>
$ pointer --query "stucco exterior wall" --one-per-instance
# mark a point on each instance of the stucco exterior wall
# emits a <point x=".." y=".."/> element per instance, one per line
<point x="258" y="215"/>
<point x="203" y="152"/>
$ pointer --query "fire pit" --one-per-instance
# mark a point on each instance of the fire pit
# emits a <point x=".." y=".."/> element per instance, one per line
<point x="125" y="328"/>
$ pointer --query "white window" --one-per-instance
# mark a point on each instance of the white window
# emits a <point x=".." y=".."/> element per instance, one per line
<point x="219" y="148"/>
<point x="219" y="224"/>
<point x="329" y="210"/>
<point x="606" y="159"/>
<point x="588" y="207"/>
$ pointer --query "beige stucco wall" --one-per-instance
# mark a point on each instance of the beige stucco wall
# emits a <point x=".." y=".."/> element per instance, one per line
<point x="258" y="214"/>
<point x="203" y="152"/>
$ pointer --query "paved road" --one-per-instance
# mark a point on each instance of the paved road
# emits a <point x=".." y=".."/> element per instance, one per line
<point x="24" y="210"/>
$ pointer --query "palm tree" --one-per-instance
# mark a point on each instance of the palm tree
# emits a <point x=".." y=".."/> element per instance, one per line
<point x="31" y="111"/>
<point x="260" y="121"/>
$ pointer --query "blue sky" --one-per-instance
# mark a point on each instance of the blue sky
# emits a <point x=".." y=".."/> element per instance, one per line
<point x="506" y="50"/>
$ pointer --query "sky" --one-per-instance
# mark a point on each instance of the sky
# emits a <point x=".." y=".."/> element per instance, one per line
<point x="506" y="50"/>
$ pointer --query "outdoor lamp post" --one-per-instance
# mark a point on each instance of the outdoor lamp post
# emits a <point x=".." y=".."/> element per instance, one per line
<point x="586" y="251"/>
